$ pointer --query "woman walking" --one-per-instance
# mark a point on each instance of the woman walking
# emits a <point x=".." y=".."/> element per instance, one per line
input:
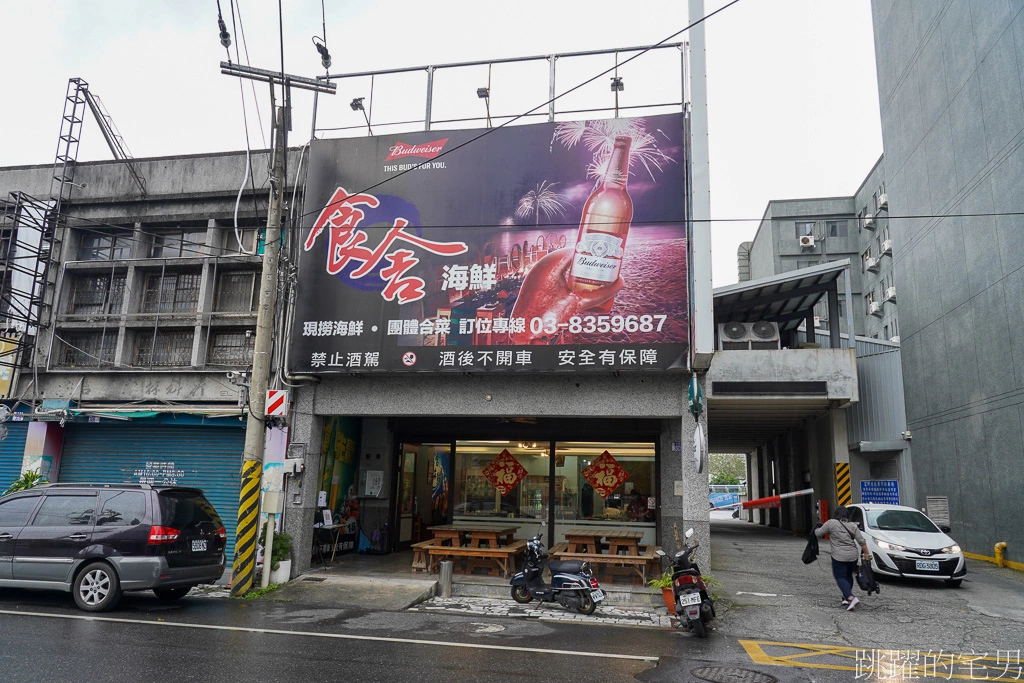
<point x="847" y="543"/>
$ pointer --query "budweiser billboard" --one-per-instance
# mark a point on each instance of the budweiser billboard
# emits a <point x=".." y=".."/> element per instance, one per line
<point x="546" y="247"/>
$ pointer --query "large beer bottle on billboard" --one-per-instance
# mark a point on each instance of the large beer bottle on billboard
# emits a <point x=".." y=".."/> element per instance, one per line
<point x="601" y="240"/>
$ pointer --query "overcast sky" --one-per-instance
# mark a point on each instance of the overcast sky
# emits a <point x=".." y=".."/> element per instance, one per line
<point x="793" y="102"/>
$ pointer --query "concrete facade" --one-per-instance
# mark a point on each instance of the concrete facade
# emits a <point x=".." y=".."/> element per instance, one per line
<point x="952" y="109"/>
<point x="449" y="399"/>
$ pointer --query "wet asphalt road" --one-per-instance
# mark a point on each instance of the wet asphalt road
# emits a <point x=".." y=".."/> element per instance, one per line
<point x="767" y="596"/>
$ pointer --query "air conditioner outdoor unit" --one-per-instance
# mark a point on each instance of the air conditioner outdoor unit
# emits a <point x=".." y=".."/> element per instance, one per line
<point x="869" y="221"/>
<point x="887" y="247"/>
<point x="806" y="241"/>
<point x="890" y="293"/>
<point x="737" y="336"/>
<point x="895" y="340"/>
<point x="872" y="264"/>
<point x="875" y="308"/>
<point x="883" y="201"/>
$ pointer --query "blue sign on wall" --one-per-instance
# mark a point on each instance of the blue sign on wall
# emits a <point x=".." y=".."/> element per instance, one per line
<point x="881" y="491"/>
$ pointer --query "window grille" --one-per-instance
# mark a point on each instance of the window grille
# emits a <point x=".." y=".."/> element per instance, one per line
<point x="164" y="349"/>
<point x="97" y="295"/>
<point x="231" y="348"/>
<point x="87" y="349"/>
<point x="172" y="293"/>
<point x="237" y="292"/>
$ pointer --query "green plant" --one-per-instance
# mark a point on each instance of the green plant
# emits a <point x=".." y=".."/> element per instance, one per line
<point x="258" y="592"/>
<point x="26" y="481"/>
<point x="724" y="478"/>
<point x="281" y="549"/>
<point x="663" y="581"/>
<point x="712" y="583"/>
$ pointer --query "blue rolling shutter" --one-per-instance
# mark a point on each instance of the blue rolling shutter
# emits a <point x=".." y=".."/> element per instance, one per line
<point x="208" y="458"/>
<point x="12" y="451"/>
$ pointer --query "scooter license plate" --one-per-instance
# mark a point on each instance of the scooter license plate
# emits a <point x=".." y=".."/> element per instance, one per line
<point x="689" y="599"/>
<point x="597" y="595"/>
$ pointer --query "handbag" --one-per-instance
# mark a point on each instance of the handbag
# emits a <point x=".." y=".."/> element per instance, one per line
<point x="811" y="549"/>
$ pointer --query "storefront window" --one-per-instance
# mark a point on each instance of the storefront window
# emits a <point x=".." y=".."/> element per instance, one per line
<point x="621" y="494"/>
<point x="516" y="488"/>
<point x="524" y="480"/>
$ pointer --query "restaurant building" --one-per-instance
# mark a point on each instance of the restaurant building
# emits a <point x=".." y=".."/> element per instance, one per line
<point x="498" y="343"/>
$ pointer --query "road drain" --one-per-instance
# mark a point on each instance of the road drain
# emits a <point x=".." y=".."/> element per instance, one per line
<point x="731" y="674"/>
<point x="315" y="579"/>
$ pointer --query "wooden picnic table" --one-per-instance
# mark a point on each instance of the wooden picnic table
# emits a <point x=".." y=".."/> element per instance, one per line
<point x="491" y="548"/>
<point x="584" y="540"/>
<point x="461" y="535"/>
<point x="623" y="542"/>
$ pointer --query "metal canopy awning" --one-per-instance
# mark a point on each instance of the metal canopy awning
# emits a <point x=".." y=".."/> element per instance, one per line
<point x="787" y="299"/>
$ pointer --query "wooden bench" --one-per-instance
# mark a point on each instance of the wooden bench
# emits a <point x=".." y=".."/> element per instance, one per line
<point x="496" y="560"/>
<point x="420" y="556"/>
<point x="637" y="564"/>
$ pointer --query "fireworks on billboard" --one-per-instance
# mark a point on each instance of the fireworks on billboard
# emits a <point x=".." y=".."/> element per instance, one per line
<point x="547" y="247"/>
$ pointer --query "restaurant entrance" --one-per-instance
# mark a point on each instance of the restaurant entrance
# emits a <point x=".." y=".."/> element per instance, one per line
<point x="581" y="488"/>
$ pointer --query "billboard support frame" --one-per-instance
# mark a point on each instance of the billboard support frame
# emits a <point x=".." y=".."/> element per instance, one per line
<point x="431" y="69"/>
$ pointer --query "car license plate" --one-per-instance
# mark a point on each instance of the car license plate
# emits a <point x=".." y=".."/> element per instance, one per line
<point x="597" y="594"/>
<point x="927" y="565"/>
<point x="200" y="546"/>
<point x="689" y="599"/>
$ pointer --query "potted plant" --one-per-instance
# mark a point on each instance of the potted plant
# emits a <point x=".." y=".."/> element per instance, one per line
<point x="664" y="585"/>
<point x="280" y="558"/>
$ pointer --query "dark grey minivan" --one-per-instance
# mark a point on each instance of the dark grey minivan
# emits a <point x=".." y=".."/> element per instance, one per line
<point x="98" y="540"/>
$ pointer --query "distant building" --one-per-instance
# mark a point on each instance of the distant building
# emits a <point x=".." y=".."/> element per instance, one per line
<point x="800" y="233"/>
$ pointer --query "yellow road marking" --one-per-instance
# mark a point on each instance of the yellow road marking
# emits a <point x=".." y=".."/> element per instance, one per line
<point x="879" y="664"/>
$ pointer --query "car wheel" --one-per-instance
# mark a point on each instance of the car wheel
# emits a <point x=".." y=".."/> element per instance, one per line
<point x="954" y="583"/>
<point x="169" y="594"/>
<point x="96" y="588"/>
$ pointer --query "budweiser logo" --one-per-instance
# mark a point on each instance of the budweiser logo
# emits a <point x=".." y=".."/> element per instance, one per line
<point x="426" y="150"/>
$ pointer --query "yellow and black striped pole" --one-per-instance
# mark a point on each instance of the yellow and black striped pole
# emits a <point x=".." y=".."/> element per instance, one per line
<point x="843" y="483"/>
<point x="244" y="564"/>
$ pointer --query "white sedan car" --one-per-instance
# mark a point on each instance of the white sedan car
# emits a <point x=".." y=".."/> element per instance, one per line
<point x="905" y="542"/>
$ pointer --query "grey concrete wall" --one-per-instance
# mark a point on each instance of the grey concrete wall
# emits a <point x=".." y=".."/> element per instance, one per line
<point x="950" y="95"/>
<point x="183" y="386"/>
<point x="762" y="254"/>
<point x="837" y="367"/>
<point x="548" y="395"/>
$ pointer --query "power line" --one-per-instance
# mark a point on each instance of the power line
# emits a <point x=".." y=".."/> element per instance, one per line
<point x="564" y="224"/>
<point x="245" y="47"/>
<point x="245" y="119"/>
<point x="539" y="106"/>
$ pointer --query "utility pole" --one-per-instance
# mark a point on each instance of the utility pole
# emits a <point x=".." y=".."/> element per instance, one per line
<point x="246" y="533"/>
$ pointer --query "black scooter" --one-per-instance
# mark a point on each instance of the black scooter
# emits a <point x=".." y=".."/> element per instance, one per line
<point x="572" y="583"/>
<point x="694" y="606"/>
